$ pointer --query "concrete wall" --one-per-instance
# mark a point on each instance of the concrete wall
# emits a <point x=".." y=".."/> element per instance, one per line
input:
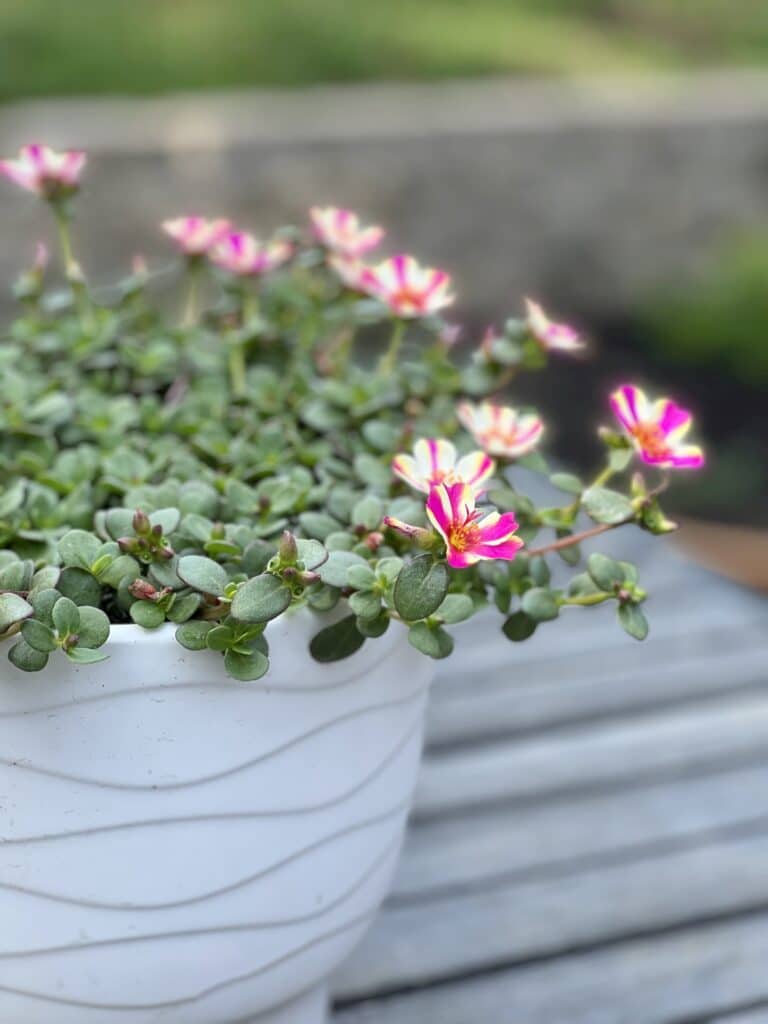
<point x="584" y="192"/>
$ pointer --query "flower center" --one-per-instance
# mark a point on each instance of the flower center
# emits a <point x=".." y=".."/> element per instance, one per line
<point x="408" y="297"/>
<point x="464" y="536"/>
<point x="651" y="438"/>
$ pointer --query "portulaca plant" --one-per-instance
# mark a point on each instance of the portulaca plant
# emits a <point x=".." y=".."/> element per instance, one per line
<point x="298" y="431"/>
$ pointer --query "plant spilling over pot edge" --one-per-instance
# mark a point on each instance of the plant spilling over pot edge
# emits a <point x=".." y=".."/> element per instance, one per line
<point x="214" y="471"/>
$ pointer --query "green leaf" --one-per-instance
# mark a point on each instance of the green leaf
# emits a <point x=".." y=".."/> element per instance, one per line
<point x="361" y="577"/>
<point x="27" y="658"/>
<point x="583" y="585"/>
<point x="147" y="615"/>
<point x="337" y="641"/>
<point x="368" y="512"/>
<point x="606" y="506"/>
<point x="66" y="617"/>
<point x="202" y="574"/>
<point x="567" y="482"/>
<point x="120" y="568"/>
<point x="606" y="572"/>
<point x="39" y="636"/>
<point x="167" y="518"/>
<point x="620" y="458"/>
<point x="374" y="627"/>
<point x="183" y="608"/>
<point x="261" y="599"/>
<point x="540" y="604"/>
<point x="246" y="667"/>
<point x="94" y="628"/>
<point x="192" y="635"/>
<point x="322" y="598"/>
<point x="79" y="586"/>
<point x="85" y="655"/>
<point x="221" y="638"/>
<point x="633" y="621"/>
<point x="365" y="604"/>
<point x="13" y="609"/>
<point x="539" y="571"/>
<point x="430" y="640"/>
<point x="420" y="588"/>
<point x="456" y="608"/>
<point x="318" y="524"/>
<point x="519" y="627"/>
<point x="43" y="601"/>
<point x="79" y="548"/>
<point x="311" y="552"/>
<point x="334" y="571"/>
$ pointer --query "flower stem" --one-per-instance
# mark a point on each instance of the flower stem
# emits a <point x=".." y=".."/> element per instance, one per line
<point x="65" y="240"/>
<point x="237" y="368"/>
<point x="389" y="359"/>
<point x="191" y="308"/>
<point x="576" y="538"/>
<point x="587" y="599"/>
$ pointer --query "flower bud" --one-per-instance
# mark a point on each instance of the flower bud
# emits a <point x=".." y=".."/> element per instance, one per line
<point x="287" y="549"/>
<point x="143" y="590"/>
<point x="140" y="522"/>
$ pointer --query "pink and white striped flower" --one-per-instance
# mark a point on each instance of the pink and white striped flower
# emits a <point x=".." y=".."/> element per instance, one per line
<point x="470" y="534"/>
<point x="501" y="430"/>
<point x="551" y="336"/>
<point x="42" y="170"/>
<point x="242" y="254"/>
<point x="350" y="271"/>
<point x="434" y="461"/>
<point x="407" y="288"/>
<point x="196" y="236"/>
<point x="341" y="231"/>
<point x="656" y="429"/>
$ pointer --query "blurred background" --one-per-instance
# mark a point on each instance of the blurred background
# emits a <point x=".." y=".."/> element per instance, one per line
<point x="609" y="157"/>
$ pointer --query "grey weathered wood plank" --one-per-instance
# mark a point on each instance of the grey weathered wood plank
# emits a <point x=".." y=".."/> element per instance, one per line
<point x="603" y="755"/>
<point x="695" y="974"/>
<point x="757" y="1015"/>
<point x="461" y="934"/>
<point x="502" y="845"/>
<point x="559" y="690"/>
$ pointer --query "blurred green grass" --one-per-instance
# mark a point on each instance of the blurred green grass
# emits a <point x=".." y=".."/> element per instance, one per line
<point x="50" y="47"/>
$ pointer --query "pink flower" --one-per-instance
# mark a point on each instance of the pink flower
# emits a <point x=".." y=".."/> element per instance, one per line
<point x="470" y="535"/>
<point x="435" y="461"/>
<point x="409" y="289"/>
<point x="551" y="336"/>
<point x="341" y="231"/>
<point x="40" y="169"/>
<point x="196" y="236"/>
<point x="656" y="429"/>
<point x="242" y="254"/>
<point x="349" y="270"/>
<point x="501" y="430"/>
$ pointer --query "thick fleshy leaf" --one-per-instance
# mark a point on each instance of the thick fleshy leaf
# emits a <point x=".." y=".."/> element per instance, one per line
<point x="540" y="604"/>
<point x="261" y="599"/>
<point x="606" y="572"/>
<point x="334" y="571"/>
<point x="79" y="586"/>
<point x="80" y="548"/>
<point x="192" y="635"/>
<point x="85" y="655"/>
<point x="519" y="627"/>
<point x="337" y="641"/>
<point x="13" y="609"/>
<point x="147" y="615"/>
<point x="39" y="636"/>
<point x="66" y="617"/>
<point x="93" y="630"/>
<point x="202" y="574"/>
<point x="456" y="608"/>
<point x="27" y="658"/>
<point x="607" y="506"/>
<point x="633" y="621"/>
<point x="420" y="588"/>
<point x="246" y="667"/>
<point x="430" y="640"/>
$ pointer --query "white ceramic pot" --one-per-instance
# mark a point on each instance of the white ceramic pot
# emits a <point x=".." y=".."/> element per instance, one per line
<point x="180" y="848"/>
